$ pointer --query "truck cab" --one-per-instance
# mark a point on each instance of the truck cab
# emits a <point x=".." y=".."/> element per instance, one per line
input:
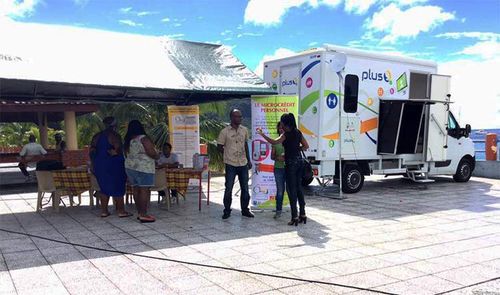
<point x="460" y="153"/>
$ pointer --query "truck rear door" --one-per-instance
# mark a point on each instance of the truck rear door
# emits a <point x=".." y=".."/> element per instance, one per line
<point x="437" y="121"/>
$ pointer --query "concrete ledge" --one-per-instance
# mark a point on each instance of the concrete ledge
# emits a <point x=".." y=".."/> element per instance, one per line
<point x="488" y="169"/>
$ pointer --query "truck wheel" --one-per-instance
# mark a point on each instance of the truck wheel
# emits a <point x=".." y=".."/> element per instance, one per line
<point x="307" y="181"/>
<point x="464" y="171"/>
<point x="352" y="179"/>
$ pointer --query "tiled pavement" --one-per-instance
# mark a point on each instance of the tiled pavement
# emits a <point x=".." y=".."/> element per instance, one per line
<point x="393" y="236"/>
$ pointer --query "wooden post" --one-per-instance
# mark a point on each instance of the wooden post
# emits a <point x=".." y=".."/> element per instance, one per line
<point x="44" y="130"/>
<point x="70" y="129"/>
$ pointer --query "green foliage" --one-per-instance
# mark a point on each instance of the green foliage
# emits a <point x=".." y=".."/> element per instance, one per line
<point x="15" y="134"/>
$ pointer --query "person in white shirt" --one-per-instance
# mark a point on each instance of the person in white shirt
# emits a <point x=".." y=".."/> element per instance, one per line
<point x="168" y="160"/>
<point x="30" y="149"/>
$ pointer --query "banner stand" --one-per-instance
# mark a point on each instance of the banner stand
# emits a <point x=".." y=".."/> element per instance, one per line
<point x="266" y="113"/>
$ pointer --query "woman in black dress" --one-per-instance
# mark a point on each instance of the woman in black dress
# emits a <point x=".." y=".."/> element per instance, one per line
<point x="294" y="143"/>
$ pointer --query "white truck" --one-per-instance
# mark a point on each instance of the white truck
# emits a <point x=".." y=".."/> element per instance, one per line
<point x="395" y="117"/>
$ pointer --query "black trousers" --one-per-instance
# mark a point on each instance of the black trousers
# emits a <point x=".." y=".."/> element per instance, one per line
<point x="293" y="171"/>
<point x="242" y="173"/>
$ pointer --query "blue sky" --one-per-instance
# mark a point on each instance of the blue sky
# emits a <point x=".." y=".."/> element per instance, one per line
<point x="455" y="33"/>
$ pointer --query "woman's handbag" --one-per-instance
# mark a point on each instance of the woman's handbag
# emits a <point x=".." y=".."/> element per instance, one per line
<point x="308" y="174"/>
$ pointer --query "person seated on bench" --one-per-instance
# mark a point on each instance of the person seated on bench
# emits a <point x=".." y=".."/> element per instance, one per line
<point x="60" y="143"/>
<point x="30" y="149"/>
<point x="168" y="160"/>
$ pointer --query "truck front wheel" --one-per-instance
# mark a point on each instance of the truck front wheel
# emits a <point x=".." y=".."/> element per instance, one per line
<point x="352" y="179"/>
<point x="464" y="171"/>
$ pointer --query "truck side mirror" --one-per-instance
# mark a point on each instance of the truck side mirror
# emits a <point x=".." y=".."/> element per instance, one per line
<point x="468" y="130"/>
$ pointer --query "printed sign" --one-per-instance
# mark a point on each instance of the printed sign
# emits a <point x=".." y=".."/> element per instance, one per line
<point x="184" y="129"/>
<point x="266" y="113"/>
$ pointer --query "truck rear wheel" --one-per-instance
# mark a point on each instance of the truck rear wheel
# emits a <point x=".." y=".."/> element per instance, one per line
<point x="352" y="179"/>
<point x="464" y="171"/>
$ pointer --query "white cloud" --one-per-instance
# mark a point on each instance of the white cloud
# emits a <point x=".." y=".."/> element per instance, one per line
<point x="311" y="44"/>
<point x="409" y="23"/>
<point x="483" y="36"/>
<point x="129" y="10"/>
<point x="483" y="49"/>
<point x="165" y="20"/>
<point x="409" y="2"/>
<point x="358" y="6"/>
<point x="146" y="13"/>
<point x="248" y="34"/>
<point x="125" y="9"/>
<point x="129" y="23"/>
<point x="177" y="25"/>
<point x="18" y="9"/>
<point x="175" y="36"/>
<point x="271" y="12"/>
<point x="475" y="91"/>
<point x="279" y="53"/>
<point x="225" y="32"/>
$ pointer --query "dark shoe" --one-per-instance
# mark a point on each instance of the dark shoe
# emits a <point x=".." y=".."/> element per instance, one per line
<point x="294" y="221"/>
<point x="248" y="214"/>
<point x="303" y="219"/>
<point x="226" y="215"/>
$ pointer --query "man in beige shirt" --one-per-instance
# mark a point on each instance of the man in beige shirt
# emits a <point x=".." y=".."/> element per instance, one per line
<point x="232" y="142"/>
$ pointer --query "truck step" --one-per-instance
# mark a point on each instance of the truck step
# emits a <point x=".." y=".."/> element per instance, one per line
<point x="390" y="171"/>
<point x="416" y="171"/>
<point x="423" y="180"/>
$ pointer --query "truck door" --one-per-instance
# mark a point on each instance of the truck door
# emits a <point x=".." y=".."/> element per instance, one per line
<point x="437" y="120"/>
<point x="289" y="79"/>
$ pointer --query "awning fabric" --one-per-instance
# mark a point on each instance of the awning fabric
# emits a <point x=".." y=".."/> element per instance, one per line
<point x="47" y="62"/>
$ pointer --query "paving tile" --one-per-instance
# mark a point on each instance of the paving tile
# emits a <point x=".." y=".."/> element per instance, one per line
<point x="6" y="284"/>
<point x="427" y="267"/>
<point x="92" y="286"/>
<point x="56" y="290"/>
<point x="400" y="272"/>
<point x="35" y="278"/>
<point x="246" y="286"/>
<point x="305" y="289"/>
<point x="434" y="283"/>
<point x="368" y="279"/>
<point x="24" y="259"/>
<point x="16" y="245"/>
<point x="405" y="287"/>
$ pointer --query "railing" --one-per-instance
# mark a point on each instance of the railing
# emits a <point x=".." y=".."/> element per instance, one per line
<point x="481" y="153"/>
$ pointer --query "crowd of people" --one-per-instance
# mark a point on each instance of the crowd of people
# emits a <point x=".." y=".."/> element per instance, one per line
<point x="135" y="159"/>
<point x="288" y="169"/>
<point x="114" y="162"/>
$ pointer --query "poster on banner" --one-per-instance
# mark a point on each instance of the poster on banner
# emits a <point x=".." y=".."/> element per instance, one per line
<point x="184" y="130"/>
<point x="266" y="113"/>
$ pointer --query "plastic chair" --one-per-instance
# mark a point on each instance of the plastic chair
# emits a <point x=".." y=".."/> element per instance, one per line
<point x="46" y="185"/>
<point x="161" y="186"/>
